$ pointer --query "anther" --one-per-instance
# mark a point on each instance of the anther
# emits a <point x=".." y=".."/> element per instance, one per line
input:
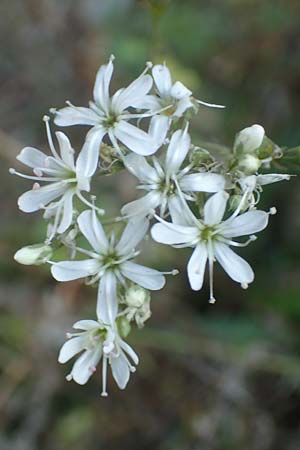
<point x="69" y="377"/>
<point x="212" y="300"/>
<point x="272" y="211"/>
<point x="46" y="118"/>
<point x="175" y="272"/>
<point x="12" y="171"/>
<point x="36" y="186"/>
<point x="112" y="58"/>
<point x="68" y="335"/>
<point x="244" y="285"/>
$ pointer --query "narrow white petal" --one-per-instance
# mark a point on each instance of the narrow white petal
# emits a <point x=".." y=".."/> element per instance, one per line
<point x="83" y="367"/>
<point x="159" y="127"/>
<point x="236" y="267"/>
<point x="196" y="266"/>
<point x="172" y="234"/>
<point x="101" y="88"/>
<point x="71" y="348"/>
<point x="162" y="79"/>
<point x="132" y="235"/>
<point x="202" y="182"/>
<point x="88" y="157"/>
<point x="135" y="139"/>
<point x="144" y="276"/>
<point x="248" y="223"/>
<point x="142" y="206"/>
<point x="32" y="157"/>
<point x="67" y="211"/>
<point x="107" y="302"/>
<point x="136" y="91"/>
<point x="33" y="200"/>
<point x="72" y="270"/>
<point x="214" y="208"/>
<point x="86" y="325"/>
<point x="176" y="207"/>
<point x="150" y="102"/>
<point x="66" y="150"/>
<point x="141" y="169"/>
<point x="177" y="150"/>
<point x="271" y="178"/>
<point x="92" y="230"/>
<point x="120" y="370"/>
<point x="75" y="116"/>
<point x="179" y="91"/>
<point x="130" y="352"/>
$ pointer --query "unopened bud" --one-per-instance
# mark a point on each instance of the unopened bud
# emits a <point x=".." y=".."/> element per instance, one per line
<point x="33" y="254"/>
<point x="249" y="164"/>
<point x="124" y="326"/>
<point x="249" y="139"/>
<point x="136" y="296"/>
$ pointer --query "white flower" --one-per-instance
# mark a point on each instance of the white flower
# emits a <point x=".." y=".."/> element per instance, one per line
<point x="166" y="181"/>
<point x="109" y="262"/>
<point x="64" y="177"/>
<point x="109" y="116"/>
<point x="173" y="95"/>
<point x="212" y="238"/>
<point x="252" y="185"/>
<point x="95" y="341"/>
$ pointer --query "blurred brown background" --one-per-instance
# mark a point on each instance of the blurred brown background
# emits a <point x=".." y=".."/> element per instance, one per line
<point x="223" y="377"/>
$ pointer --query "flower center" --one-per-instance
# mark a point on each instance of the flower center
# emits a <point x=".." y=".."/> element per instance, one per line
<point x="111" y="120"/>
<point x="207" y="233"/>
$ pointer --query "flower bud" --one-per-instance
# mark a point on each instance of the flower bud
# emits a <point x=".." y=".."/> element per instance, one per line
<point x="124" y="326"/>
<point x="249" y="164"/>
<point x="136" y="296"/>
<point x="249" y="139"/>
<point x="33" y="254"/>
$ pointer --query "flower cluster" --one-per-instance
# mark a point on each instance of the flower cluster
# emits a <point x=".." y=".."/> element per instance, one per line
<point x="200" y="197"/>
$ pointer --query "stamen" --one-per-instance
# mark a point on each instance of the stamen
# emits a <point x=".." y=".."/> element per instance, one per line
<point x="244" y="285"/>
<point x="210" y="105"/>
<point x="46" y="119"/>
<point x="212" y="299"/>
<point x="90" y="205"/>
<point x="69" y="377"/>
<point x="13" y="171"/>
<point x="112" y="58"/>
<point x="272" y="211"/>
<point x="104" y="377"/>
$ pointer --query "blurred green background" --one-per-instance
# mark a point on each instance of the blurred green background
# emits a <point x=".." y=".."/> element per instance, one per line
<point x="223" y="377"/>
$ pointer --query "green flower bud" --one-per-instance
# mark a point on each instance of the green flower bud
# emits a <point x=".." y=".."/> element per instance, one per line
<point x="33" y="254"/>
<point x="124" y="327"/>
<point x="136" y="296"/>
<point x="249" y="164"/>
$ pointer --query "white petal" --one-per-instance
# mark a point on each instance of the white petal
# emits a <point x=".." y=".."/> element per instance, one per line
<point x="236" y="267"/>
<point x="144" y="276"/>
<point x="135" y="139"/>
<point x="271" y="178"/>
<point x="101" y="88"/>
<point x="140" y="168"/>
<point x="120" y="370"/>
<point x="132" y="235"/>
<point x="171" y="234"/>
<point x="92" y="230"/>
<point x="158" y="129"/>
<point x="67" y="212"/>
<point x="176" y="207"/>
<point x="33" y="200"/>
<point x="32" y="157"/>
<point x="75" y="116"/>
<point x="142" y="206"/>
<point x="86" y="325"/>
<point x="107" y="302"/>
<point x="196" y="266"/>
<point x="182" y="105"/>
<point x="88" y="157"/>
<point x="202" y="182"/>
<point x="136" y="91"/>
<point x="72" y="270"/>
<point x="83" y="367"/>
<point x="130" y="352"/>
<point x="71" y="348"/>
<point x="245" y="224"/>
<point x="214" y="208"/>
<point x="162" y="79"/>
<point x="177" y="150"/>
<point x="250" y="138"/>
<point x="151" y="102"/>
<point x="66" y="150"/>
<point x="179" y="91"/>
